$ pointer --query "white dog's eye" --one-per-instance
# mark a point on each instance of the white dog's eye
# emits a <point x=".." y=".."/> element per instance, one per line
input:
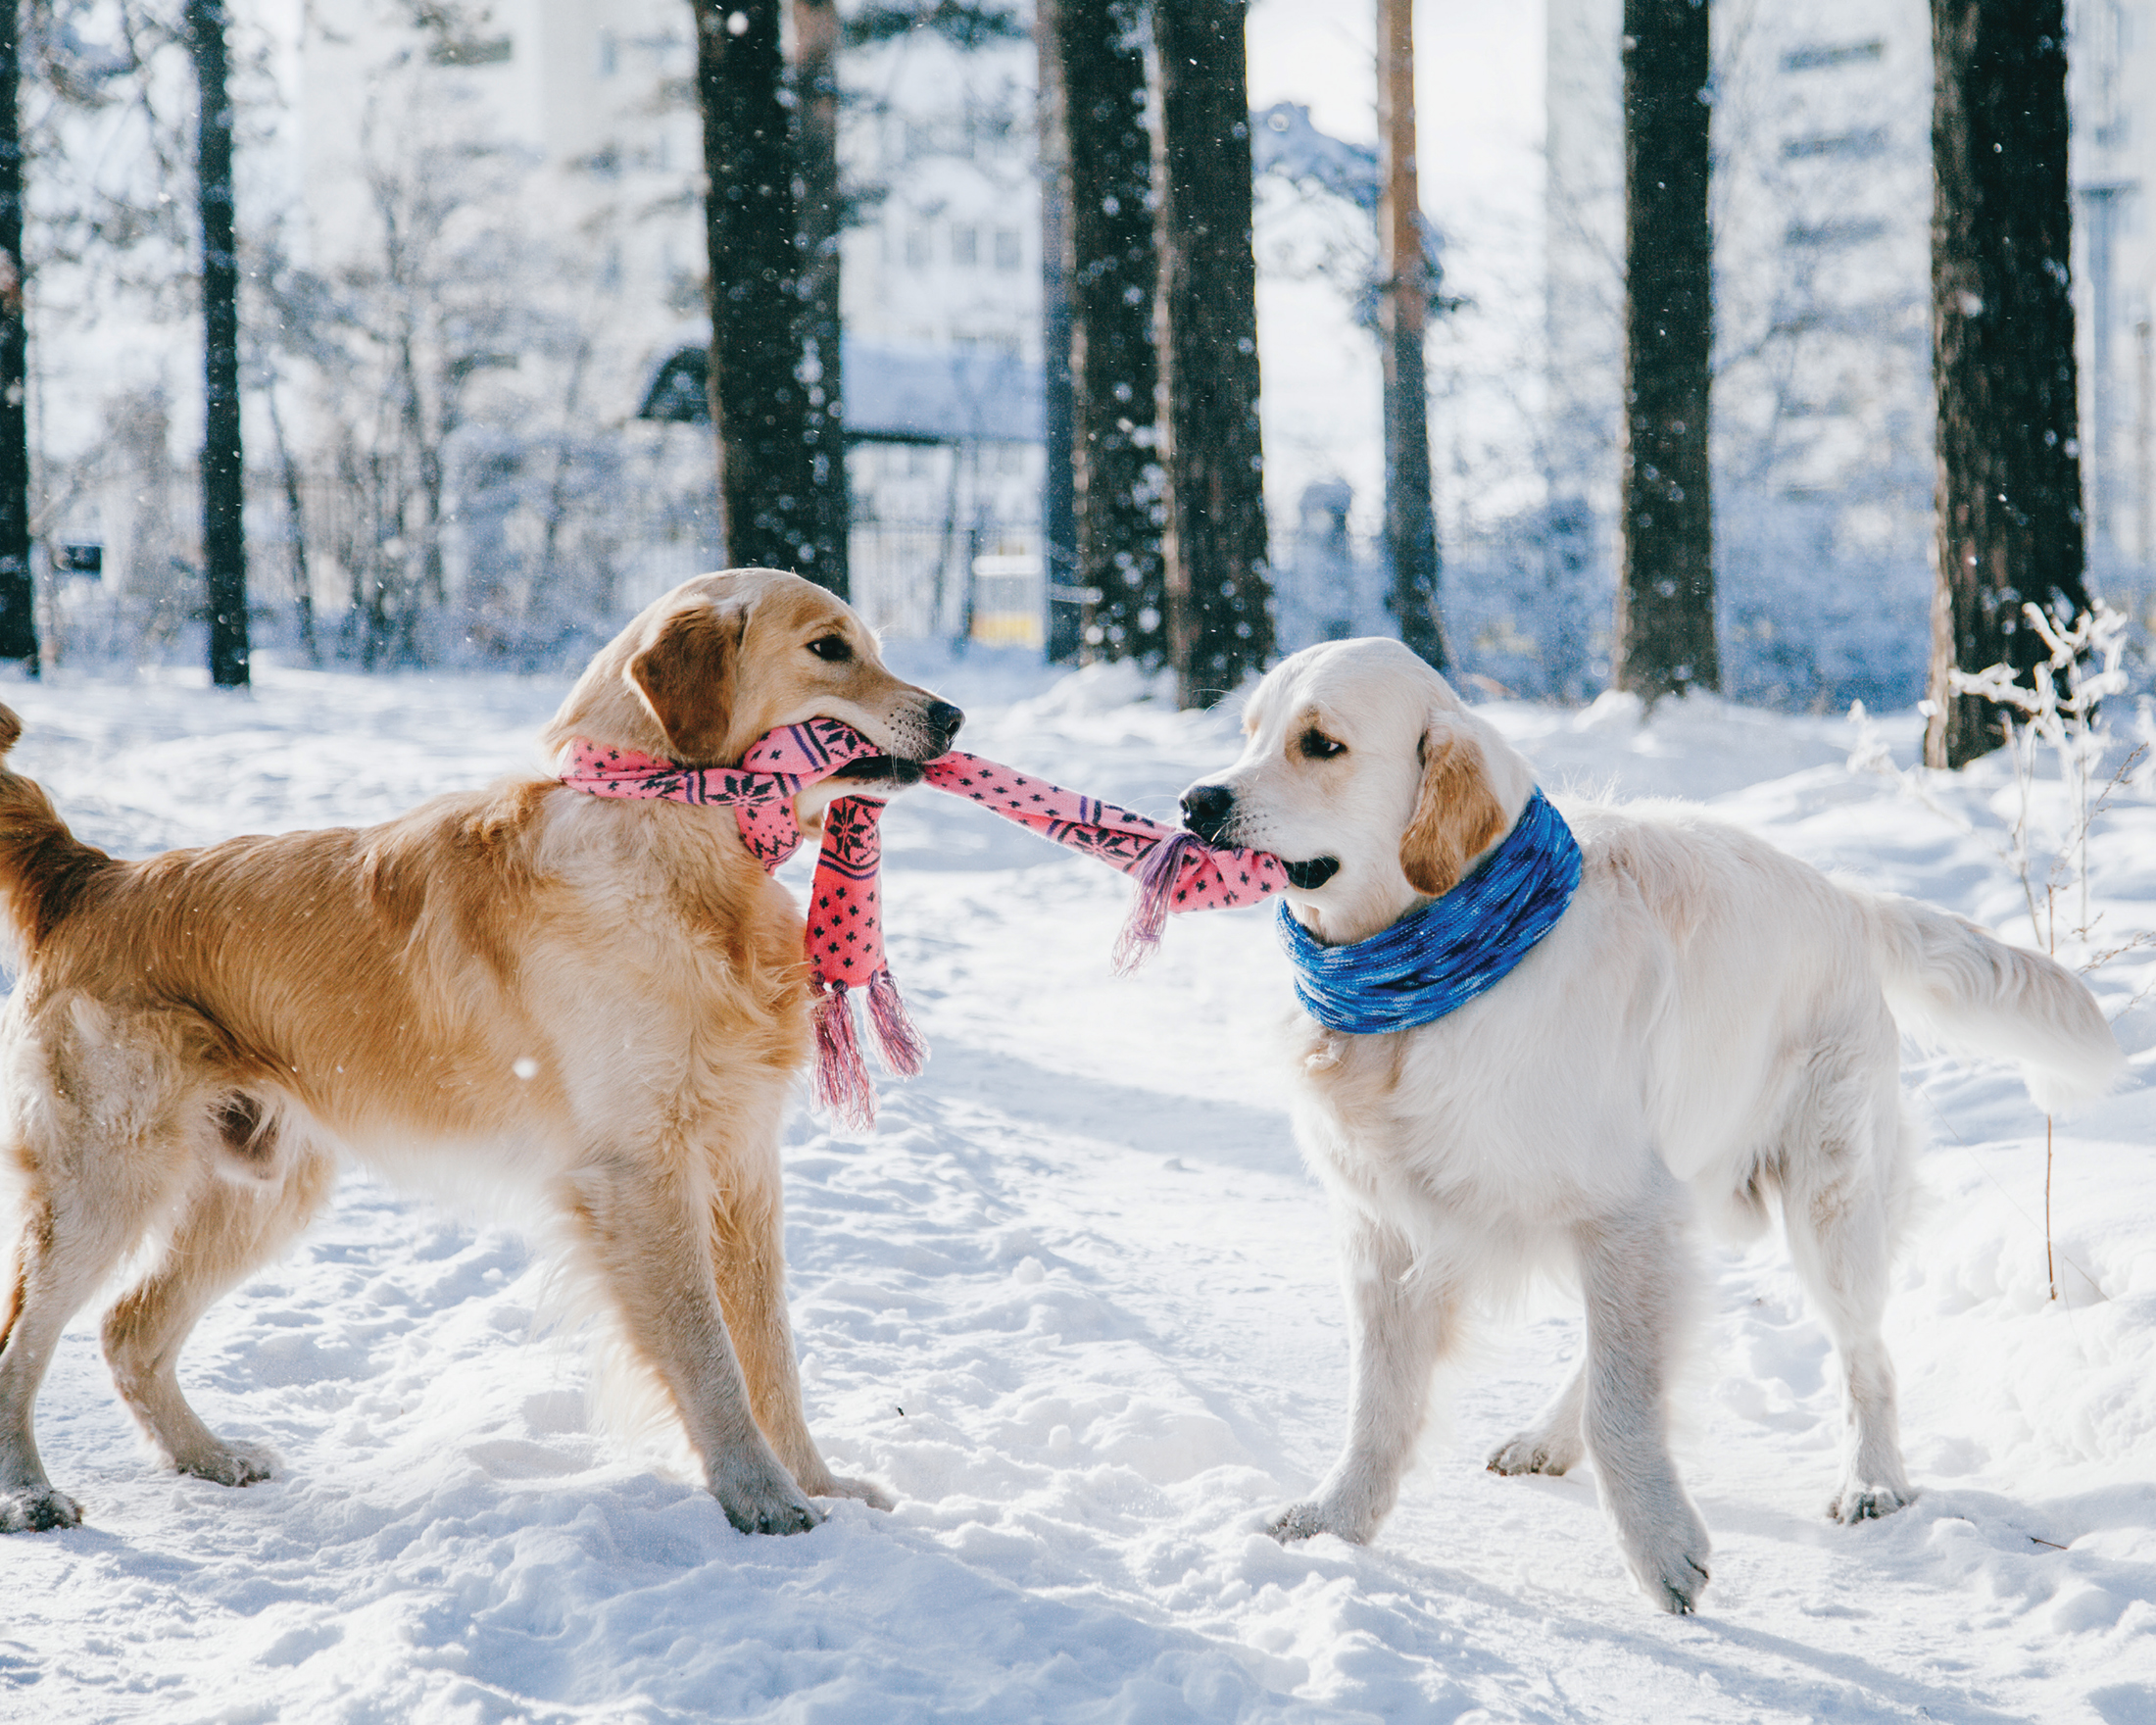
<point x="834" y="648"/>
<point x="1317" y="745"/>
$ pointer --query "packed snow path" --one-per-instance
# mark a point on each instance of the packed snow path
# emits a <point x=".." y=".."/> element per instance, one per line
<point x="1074" y="1302"/>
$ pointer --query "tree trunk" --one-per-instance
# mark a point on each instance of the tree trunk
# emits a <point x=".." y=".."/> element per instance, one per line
<point x="766" y="475"/>
<point x="817" y="116"/>
<point x="1062" y="612"/>
<point x="1404" y="307"/>
<point x="223" y="466"/>
<point x="17" y="619"/>
<point x="1220" y="622"/>
<point x="1114" y="369"/>
<point x="2009" y="491"/>
<point x="295" y="519"/>
<point x="1665" y="592"/>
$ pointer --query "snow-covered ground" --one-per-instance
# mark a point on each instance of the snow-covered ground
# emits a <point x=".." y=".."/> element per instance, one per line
<point x="1073" y="1302"/>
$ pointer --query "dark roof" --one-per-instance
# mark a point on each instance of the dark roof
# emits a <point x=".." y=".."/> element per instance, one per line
<point x="893" y="394"/>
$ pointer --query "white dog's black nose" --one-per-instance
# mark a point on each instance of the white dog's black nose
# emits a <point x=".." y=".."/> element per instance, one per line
<point x="947" y="718"/>
<point x="1205" y="809"/>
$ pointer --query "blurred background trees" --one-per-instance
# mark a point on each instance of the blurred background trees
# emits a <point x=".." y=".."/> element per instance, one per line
<point x="1024" y="327"/>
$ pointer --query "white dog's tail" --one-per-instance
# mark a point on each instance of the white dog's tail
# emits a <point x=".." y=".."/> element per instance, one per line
<point x="1953" y="985"/>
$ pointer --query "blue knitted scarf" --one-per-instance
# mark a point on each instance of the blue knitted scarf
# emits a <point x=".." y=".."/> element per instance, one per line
<point x="1451" y="950"/>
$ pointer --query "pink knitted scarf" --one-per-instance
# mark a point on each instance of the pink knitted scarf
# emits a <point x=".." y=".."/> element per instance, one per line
<point x="1174" y="870"/>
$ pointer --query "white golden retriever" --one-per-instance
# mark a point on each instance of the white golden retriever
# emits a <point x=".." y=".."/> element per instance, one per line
<point x="1710" y="1019"/>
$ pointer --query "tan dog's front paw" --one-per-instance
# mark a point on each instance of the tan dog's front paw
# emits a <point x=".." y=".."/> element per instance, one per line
<point x="760" y="1497"/>
<point x="228" y="1465"/>
<point x="38" y="1508"/>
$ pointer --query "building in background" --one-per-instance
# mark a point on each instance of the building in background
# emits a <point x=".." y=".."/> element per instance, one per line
<point x="590" y="110"/>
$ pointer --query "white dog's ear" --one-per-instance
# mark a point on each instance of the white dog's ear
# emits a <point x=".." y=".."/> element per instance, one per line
<point x="1457" y="815"/>
<point x="686" y="676"/>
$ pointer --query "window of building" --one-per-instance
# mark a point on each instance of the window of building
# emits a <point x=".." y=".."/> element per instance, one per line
<point x="1861" y="144"/>
<point x="1819" y="56"/>
<point x="966" y="247"/>
<point x="469" y="50"/>
<point x="1842" y="231"/>
<point x="1010" y="251"/>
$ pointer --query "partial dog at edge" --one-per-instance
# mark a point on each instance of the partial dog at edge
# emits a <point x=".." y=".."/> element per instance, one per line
<point x="601" y="1004"/>
<point x="1711" y="1025"/>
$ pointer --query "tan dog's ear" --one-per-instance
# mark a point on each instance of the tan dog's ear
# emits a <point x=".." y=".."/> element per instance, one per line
<point x="686" y="677"/>
<point x="1456" y="815"/>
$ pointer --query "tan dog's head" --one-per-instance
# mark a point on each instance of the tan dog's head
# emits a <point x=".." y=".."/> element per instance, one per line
<point x="703" y="671"/>
<point x="1370" y="777"/>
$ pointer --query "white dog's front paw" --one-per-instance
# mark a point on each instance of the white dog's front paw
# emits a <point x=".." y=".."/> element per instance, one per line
<point x="1302" y="1521"/>
<point x="1858" y="1502"/>
<point x="760" y="1497"/>
<point x="1670" y="1564"/>
<point x="1535" y="1453"/>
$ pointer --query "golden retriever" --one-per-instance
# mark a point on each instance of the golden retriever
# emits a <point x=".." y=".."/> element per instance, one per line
<point x="602" y="1003"/>
<point x="1710" y="1019"/>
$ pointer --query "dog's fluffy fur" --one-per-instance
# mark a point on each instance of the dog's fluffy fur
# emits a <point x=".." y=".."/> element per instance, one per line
<point x="1711" y="1022"/>
<point x="602" y="1003"/>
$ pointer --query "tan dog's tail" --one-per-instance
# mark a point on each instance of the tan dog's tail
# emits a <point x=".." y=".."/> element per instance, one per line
<point x="1952" y="984"/>
<point x="43" y="866"/>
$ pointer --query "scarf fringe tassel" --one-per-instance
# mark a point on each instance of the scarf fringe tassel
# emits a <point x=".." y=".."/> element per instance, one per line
<point x="1149" y="905"/>
<point x="904" y="1053"/>
<point x="843" y="1087"/>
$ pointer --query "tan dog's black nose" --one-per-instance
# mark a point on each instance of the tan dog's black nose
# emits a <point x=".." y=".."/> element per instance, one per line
<point x="1205" y="809"/>
<point x="947" y="718"/>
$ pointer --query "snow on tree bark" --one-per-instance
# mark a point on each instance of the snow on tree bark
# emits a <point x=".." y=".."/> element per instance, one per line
<point x="1114" y="365"/>
<point x="1219" y="613"/>
<point x="766" y="466"/>
<point x="1403" y="305"/>
<point x="223" y="466"/>
<point x="816" y="111"/>
<point x="2009" y="527"/>
<point x="1665" y="641"/>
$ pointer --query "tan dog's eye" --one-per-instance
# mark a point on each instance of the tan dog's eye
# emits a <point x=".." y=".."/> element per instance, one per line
<point x="1317" y="745"/>
<point x="835" y="649"/>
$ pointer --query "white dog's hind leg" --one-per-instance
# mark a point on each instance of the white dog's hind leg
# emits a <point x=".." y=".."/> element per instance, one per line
<point x="1634" y="1270"/>
<point x="1399" y="1324"/>
<point x="1839" y="1208"/>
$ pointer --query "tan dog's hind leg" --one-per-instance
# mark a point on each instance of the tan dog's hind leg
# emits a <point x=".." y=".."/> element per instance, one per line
<point x="750" y="1258"/>
<point x="63" y="1252"/>
<point x="644" y="1235"/>
<point x="230" y="1227"/>
<point x="101" y="1155"/>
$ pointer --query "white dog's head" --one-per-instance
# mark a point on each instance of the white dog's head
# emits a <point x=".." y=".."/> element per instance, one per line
<point x="1370" y="777"/>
